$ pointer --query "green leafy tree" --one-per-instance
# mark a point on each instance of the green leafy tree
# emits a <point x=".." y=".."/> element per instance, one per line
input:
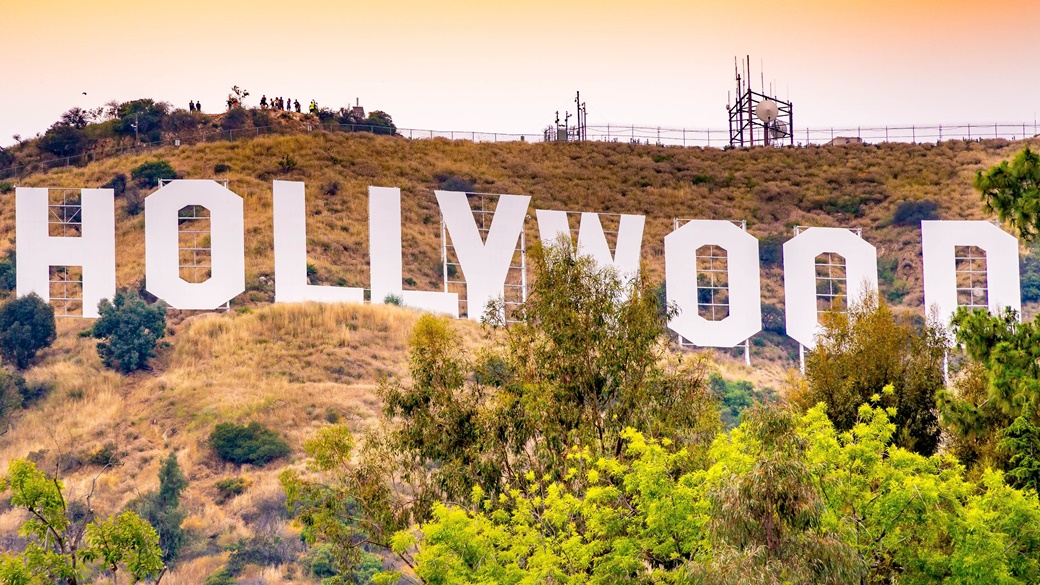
<point x="1012" y="191"/>
<point x="142" y="118"/>
<point x="1007" y="413"/>
<point x="26" y="326"/>
<point x="63" y="140"/>
<point x="585" y="360"/>
<point x="162" y="508"/>
<point x="863" y="350"/>
<point x="129" y="329"/>
<point x="785" y="499"/>
<point x="62" y="546"/>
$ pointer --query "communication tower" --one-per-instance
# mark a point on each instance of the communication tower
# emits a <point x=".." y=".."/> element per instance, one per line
<point x="757" y="118"/>
<point x="565" y="132"/>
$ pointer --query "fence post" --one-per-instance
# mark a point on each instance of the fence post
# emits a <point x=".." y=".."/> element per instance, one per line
<point x="913" y="134"/>
<point x="940" y="132"/>
<point x="969" y="132"/>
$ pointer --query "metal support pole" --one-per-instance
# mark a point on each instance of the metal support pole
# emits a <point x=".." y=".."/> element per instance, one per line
<point x="523" y="266"/>
<point x="444" y="254"/>
<point x="801" y="358"/>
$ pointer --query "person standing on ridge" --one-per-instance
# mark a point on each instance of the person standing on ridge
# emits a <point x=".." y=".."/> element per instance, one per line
<point x="297" y="104"/>
<point x="198" y="106"/>
<point x="263" y="102"/>
<point x="191" y="107"/>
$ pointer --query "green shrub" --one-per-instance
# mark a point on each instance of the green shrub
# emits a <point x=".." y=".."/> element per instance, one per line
<point x="149" y="173"/>
<point x="221" y="577"/>
<point x="117" y="184"/>
<point x="262" y="550"/>
<point x="235" y="118"/>
<point x="6" y="187"/>
<point x="453" y="183"/>
<point x="12" y="393"/>
<point x="8" y="275"/>
<point x="104" y="455"/>
<point x="392" y="299"/>
<point x="26" y="326"/>
<point x="221" y="168"/>
<point x="229" y="487"/>
<point x="128" y="329"/>
<point x="253" y="443"/>
<point x="287" y="164"/>
<point x="911" y="213"/>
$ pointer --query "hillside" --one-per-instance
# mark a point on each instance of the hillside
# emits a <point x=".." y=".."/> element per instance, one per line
<point x="297" y="367"/>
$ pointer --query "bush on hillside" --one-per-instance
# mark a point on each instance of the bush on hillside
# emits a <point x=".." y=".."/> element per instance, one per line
<point x="26" y="326"/>
<point x="8" y="274"/>
<point x="235" y="118"/>
<point x="63" y="140"/>
<point x="229" y="487"/>
<point x="117" y="184"/>
<point x="180" y="120"/>
<point x="142" y="118"/>
<point x="129" y="329"/>
<point x="253" y="443"/>
<point x="911" y="213"/>
<point x="16" y="393"/>
<point x="149" y="173"/>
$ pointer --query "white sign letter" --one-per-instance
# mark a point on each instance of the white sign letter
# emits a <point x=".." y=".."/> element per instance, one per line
<point x="290" y="252"/>
<point x="593" y="242"/>
<point x="745" y="308"/>
<point x="94" y="250"/>
<point x="800" y="254"/>
<point x="384" y="234"/>
<point x="162" y="248"/>
<point x="485" y="265"/>
<point x="938" y="241"/>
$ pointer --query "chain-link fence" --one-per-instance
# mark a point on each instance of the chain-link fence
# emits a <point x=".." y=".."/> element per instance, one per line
<point x="705" y="137"/>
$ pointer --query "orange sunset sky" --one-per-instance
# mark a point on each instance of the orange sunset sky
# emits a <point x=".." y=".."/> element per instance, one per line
<point x="508" y="66"/>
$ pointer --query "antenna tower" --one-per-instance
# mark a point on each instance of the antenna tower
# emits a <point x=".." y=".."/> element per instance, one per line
<point x="757" y="118"/>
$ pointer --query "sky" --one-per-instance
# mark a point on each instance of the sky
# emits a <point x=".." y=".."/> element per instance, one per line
<point x="508" y="66"/>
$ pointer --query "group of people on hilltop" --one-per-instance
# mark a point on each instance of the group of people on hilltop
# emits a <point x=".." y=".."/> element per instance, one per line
<point x="194" y="106"/>
<point x="279" y="103"/>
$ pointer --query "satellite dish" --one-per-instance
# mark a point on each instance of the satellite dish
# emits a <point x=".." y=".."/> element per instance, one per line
<point x="767" y="111"/>
<point x="778" y="129"/>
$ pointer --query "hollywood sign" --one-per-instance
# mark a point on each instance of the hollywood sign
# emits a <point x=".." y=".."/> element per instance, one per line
<point x="484" y="262"/>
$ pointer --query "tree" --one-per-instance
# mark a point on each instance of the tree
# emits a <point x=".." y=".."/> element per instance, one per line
<point x="585" y="360"/>
<point x="61" y="543"/>
<point x="1012" y="191"/>
<point x="26" y="326"/>
<point x="141" y="118"/>
<point x="785" y="499"/>
<point x="129" y="329"/>
<point x="1007" y="413"/>
<point x="63" y="140"/>
<point x="162" y="508"/>
<point x="867" y="348"/>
